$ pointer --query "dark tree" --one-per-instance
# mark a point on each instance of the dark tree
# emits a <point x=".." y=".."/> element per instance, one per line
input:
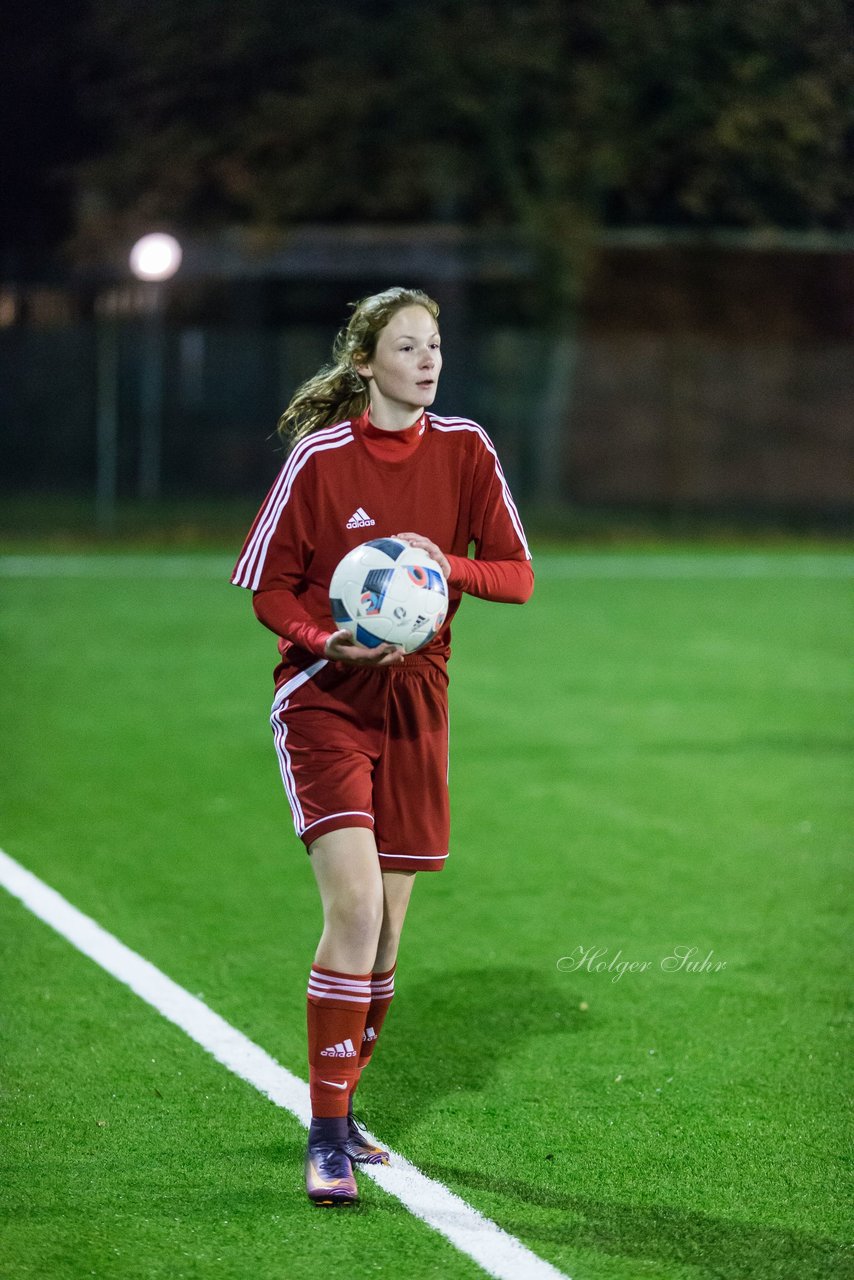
<point x="543" y="117"/>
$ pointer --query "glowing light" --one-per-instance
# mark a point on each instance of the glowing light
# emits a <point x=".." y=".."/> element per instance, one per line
<point x="155" y="257"/>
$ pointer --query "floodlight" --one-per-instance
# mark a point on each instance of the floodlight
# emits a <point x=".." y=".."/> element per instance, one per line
<point x="155" y="257"/>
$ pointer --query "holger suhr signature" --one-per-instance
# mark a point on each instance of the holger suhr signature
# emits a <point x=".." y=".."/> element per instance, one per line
<point x="682" y="959"/>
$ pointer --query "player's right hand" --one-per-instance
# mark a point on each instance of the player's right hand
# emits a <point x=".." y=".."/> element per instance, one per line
<point x="343" y="647"/>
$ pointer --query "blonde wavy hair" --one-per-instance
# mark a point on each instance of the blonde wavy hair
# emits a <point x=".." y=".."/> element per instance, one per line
<point x="337" y="391"/>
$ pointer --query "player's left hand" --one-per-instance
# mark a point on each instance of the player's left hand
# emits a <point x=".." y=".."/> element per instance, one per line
<point x="418" y="540"/>
<point x="341" y="646"/>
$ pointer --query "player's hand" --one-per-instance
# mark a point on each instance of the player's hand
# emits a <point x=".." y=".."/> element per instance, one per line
<point x="418" y="540"/>
<point x="344" y="647"/>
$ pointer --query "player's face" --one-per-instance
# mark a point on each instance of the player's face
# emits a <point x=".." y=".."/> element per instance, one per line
<point x="404" y="371"/>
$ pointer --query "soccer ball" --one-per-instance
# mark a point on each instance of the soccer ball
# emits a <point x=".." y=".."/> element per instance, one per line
<point x="386" y="591"/>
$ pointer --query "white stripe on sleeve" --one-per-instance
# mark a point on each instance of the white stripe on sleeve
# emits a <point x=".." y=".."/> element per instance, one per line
<point x="250" y="566"/>
<point x="465" y="424"/>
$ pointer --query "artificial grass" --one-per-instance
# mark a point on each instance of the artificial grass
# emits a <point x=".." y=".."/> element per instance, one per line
<point x="129" y="1153"/>
<point x="638" y="763"/>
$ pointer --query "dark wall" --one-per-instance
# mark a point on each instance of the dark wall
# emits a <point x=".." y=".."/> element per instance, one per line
<point x="715" y="379"/>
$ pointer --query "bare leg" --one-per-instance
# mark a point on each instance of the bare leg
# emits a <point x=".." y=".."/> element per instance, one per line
<point x="348" y="876"/>
<point x="397" y="889"/>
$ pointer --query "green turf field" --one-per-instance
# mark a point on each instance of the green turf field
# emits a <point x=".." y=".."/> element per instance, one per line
<point x="652" y="754"/>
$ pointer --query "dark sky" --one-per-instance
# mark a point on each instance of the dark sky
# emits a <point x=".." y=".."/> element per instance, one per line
<point x="40" y="132"/>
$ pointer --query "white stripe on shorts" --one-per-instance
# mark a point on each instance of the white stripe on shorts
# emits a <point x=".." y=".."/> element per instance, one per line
<point x="416" y="857"/>
<point x="280" y="733"/>
<point x="299" y="679"/>
<point x="345" y="813"/>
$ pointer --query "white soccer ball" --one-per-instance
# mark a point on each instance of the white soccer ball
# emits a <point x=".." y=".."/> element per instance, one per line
<point x="385" y="591"/>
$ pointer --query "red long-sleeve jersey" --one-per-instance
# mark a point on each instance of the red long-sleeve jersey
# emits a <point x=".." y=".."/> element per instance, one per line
<point x="350" y="482"/>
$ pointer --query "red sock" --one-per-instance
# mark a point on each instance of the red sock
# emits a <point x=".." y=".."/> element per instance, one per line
<point x="382" y="993"/>
<point x="337" y="1006"/>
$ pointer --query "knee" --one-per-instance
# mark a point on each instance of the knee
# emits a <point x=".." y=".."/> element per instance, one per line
<point x="358" y="913"/>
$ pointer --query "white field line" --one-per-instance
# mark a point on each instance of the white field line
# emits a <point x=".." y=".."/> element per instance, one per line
<point x="167" y="565"/>
<point x="583" y="564"/>
<point x="498" y="1253"/>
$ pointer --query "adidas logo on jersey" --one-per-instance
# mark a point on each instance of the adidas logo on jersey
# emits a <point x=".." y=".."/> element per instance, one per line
<point x="344" y="1050"/>
<point x="360" y="519"/>
<point x="369" y="1035"/>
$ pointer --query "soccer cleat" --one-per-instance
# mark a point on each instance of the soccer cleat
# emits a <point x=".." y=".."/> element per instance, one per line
<point x="358" y="1148"/>
<point x="329" y="1175"/>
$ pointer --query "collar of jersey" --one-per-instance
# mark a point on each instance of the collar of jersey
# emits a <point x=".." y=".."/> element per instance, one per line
<point x="390" y="446"/>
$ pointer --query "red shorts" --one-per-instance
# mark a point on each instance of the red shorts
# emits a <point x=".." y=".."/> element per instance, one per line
<point x="360" y="747"/>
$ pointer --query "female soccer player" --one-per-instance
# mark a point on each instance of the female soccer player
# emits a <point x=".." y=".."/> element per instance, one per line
<point x="361" y="734"/>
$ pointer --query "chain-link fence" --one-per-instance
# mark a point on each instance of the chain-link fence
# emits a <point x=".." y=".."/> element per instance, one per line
<point x="701" y="380"/>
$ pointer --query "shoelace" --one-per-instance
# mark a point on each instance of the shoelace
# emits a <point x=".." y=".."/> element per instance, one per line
<point x="333" y="1158"/>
